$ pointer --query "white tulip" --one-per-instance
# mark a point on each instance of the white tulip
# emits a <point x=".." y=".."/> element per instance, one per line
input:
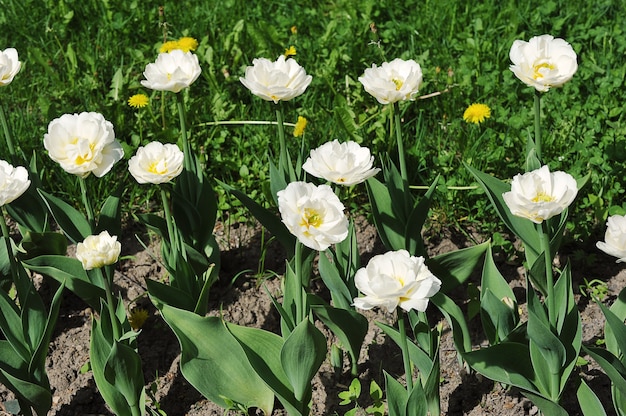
<point x="614" y="243"/>
<point x="156" y="163"/>
<point x="395" y="279"/>
<point x="172" y="71"/>
<point x="98" y="250"/>
<point x="540" y="194"/>
<point x="313" y="214"/>
<point x="13" y="182"/>
<point x="276" y="81"/>
<point x="341" y="163"/>
<point x="543" y="62"/>
<point x="9" y="66"/>
<point x="83" y="143"/>
<point x="393" y="81"/>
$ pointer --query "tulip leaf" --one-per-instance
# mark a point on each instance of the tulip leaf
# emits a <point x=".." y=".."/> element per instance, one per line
<point x="611" y="365"/>
<point x="588" y="401"/>
<point x="38" y="359"/>
<point x="38" y="244"/>
<point x="455" y="267"/>
<point x="390" y="228"/>
<point x="615" y="343"/>
<point x="414" y="243"/>
<point x="214" y="362"/>
<point x="301" y="356"/>
<point x="110" y="218"/>
<point x="547" y="407"/>
<point x="498" y="318"/>
<point x="70" y="220"/>
<point x="396" y="396"/>
<point x="454" y="316"/>
<point x="11" y="326"/>
<point x="339" y="291"/>
<point x="123" y="370"/>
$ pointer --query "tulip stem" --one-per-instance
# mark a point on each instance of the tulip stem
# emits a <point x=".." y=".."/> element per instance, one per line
<point x="108" y="289"/>
<point x="300" y="314"/>
<point x="405" y="353"/>
<point x="85" y="197"/>
<point x="538" y="124"/>
<point x="283" y="158"/>
<point x="168" y="218"/>
<point x="545" y="247"/>
<point x="183" y="132"/>
<point x="7" y="135"/>
<point x="7" y="239"/>
<point x="398" y="128"/>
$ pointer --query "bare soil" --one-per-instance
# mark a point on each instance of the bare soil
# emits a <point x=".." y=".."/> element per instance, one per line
<point x="242" y="300"/>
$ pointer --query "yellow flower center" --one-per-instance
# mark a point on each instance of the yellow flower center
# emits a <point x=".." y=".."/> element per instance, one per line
<point x="311" y="218"/>
<point x="543" y="197"/>
<point x="398" y="83"/>
<point x="158" y="167"/>
<point x="537" y="69"/>
<point x="84" y="156"/>
<point x="169" y="76"/>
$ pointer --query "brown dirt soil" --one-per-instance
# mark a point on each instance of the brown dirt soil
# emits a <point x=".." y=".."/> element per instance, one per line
<point x="242" y="300"/>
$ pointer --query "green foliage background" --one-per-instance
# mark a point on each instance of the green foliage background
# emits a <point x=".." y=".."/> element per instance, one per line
<point x="89" y="55"/>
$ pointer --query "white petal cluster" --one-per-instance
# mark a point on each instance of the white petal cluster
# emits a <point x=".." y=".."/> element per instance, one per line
<point x="83" y="143"/>
<point x="614" y="243"/>
<point x="13" y="182"/>
<point x="398" y="80"/>
<point x="98" y="250"/>
<point x="156" y="163"/>
<point x="172" y="71"/>
<point x="313" y="214"/>
<point x="540" y="194"/>
<point x="9" y="66"/>
<point x="341" y="163"/>
<point x="276" y="81"/>
<point x="543" y="62"/>
<point x="395" y="279"/>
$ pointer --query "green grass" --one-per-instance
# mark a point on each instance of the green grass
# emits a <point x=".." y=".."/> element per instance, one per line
<point x="89" y="55"/>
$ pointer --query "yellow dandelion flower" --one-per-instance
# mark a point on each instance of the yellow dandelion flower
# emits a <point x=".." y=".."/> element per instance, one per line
<point x="290" y="51"/>
<point x="477" y="113"/>
<point x="294" y="30"/>
<point x="137" y="318"/>
<point x="169" y="46"/>
<point x="187" y="44"/>
<point x="138" y="101"/>
<point x="298" y="130"/>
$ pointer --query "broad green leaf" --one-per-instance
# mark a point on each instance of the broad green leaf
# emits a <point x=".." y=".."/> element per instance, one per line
<point x="123" y="370"/>
<point x="417" y="356"/>
<point x="301" y="356"/>
<point x="454" y="316"/>
<point x="397" y="396"/>
<point x="417" y="404"/>
<point x="588" y="401"/>
<point x="341" y="295"/>
<point x="11" y="325"/>
<point x="498" y="318"/>
<point x="263" y="350"/>
<point x="38" y="244"/>
<point x="213" y="361"/>
<point x="507" y="362"/>
<point x="29" y="211"/>
<point x="170" y="295"/>
<point x="618" y="309"/>
<point x="68" y="271"/>
<point x="110" y="218"/>
<point x="547" y="407"/>
<point x="611" y="365"/>
<point x="71" y="221"/>
<point x="414" y="243"/>
<point x="455" y="267"/>
<point x="390" y="228"/>
<point x="38" y="359"/>
<point x="38" y="397"/>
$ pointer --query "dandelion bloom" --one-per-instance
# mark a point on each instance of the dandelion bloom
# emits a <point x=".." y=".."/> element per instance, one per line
<point x="341" y="163"/>
<point x="477" y="113"/>
<point x="172" y="71"/>
<point x="169" y="46"/>
<point x="540" y="194"/>
<point x="98" y="250"/>
<point x="83" y="143"/>
<point x="395" y="279"/>
<point x="393" y="81"/>
<point x="298" y="130"/>
<point x="9" y="66"/>
<point x="137" y="318"/>
<point x="13" y="182"/>
<point x="290" y="51"/>
<point x="138" y="101"/>
<point x="313" y="214"/>
<point x="276" y="81"/>
<point x="187" y="44"/>
<point x="543" y="62"/>
<point x="156" y="163"/>
<point x="614" y="243"/>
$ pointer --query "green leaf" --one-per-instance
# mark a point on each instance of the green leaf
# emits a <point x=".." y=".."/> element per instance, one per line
<point x="11" y="325"/>
<point x="455" y="267"/>
<point x="123" y="370"/>
<point x="414" y="243"/>
<point x="416" y="354"/>
<point x="38" y="360"/>
<point x="110" y="218"/>
<point x="498" y="318"/>
<point x="611" y="365"/>
<point x="301" y="356"/>
<point x="615" y="330"/>
<point x="589" y="402"/>
<point x="454" y="316"/>
<point x="70" y="272"/>
<point x="38" y="244"/>
<point x="71" y="221"/>
<point x="396" y="396"/>
<point x="170" y="295"/>
<point x="390" y="228"/>
<point x="117" y="82"/>
<point x="547" y="407"/>
<point x="417" y="404"/>
<point x="341" y="295"/>
<point x="38" y="397"/>
<point x="213" y="361"/>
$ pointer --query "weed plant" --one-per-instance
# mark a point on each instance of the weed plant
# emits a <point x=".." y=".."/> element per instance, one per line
<point x="89" y="55"/>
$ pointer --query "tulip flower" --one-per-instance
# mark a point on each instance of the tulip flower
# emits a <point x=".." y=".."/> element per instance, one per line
<point x="341" y="163"/>
<point x="543" y="62"/>
<point x="393" y="81"/>
<point x="156" y="163"/>
<point x="395" y="279"/>
<point x="540" y="194"/>
<point x="172" y="71"/>
<point x="276" y="81"/>
<point x="9" y="66"/>
<point x="13" y="182"/>
<point x="83" y="143"/>
<point x="614" y="243"/>
<point x="98" y="250"/>
<point x="313" y="214"/>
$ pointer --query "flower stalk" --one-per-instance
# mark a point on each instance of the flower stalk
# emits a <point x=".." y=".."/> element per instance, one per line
<point x="545" y="247"/>
<point x="400" y="144"/>
<point x="408" y="370"/>
<point x="86" y="202"/>
<point x="537" y="106"/>
<point x="7" y="135"/>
